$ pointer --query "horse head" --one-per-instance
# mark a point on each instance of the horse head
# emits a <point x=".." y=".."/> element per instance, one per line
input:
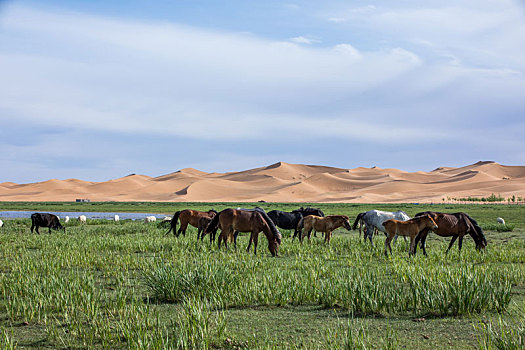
<point x="346" y="223"/>
<point x="432" y="224"/>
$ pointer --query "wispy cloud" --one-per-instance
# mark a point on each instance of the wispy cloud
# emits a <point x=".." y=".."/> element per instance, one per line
<point x="304" y="40"/>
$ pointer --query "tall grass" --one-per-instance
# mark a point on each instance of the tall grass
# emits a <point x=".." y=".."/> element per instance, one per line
<point x="6" y="341"/>
<point x="355" y="335"/>
<point x="501" y="334"/>
<point x="103" y="285"/>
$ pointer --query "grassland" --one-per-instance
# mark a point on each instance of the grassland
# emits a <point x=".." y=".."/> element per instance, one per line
<point x="127" y="285"/>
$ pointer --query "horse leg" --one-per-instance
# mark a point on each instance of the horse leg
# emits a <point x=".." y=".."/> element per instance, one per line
<point x="255" y="241"/>
<point x="36" y="229"/>
<point x="250" y="242"/>
<point x="460" y="243"/>
<point x="387" y="245"/>
<point x="327" y="236"/>
<point x="369" y="233"/>
<point x="413" y="248"/>
<point x="235" y="234"/>
<point x="451" y="243"/>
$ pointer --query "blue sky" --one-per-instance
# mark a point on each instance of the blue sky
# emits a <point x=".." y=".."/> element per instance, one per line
<point x="100" y="89"/>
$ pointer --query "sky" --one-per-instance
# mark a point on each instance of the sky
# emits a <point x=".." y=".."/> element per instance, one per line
<point x="97" y="90"/>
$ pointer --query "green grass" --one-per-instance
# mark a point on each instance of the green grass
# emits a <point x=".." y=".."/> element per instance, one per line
<point x="127" y="285"/>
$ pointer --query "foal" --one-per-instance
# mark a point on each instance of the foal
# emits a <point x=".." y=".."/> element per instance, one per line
<point x="325" y="224"/>
<point x="410" y="228"/>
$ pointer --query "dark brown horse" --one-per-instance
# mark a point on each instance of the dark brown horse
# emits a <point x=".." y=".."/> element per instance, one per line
<point x="455" y="225"/>
<point x="201" y="227"/>
<point x="240" y="220"/>
<point x="325" y="224"/>
<point x="188" y="217"/>
<point x="409" y="228"/>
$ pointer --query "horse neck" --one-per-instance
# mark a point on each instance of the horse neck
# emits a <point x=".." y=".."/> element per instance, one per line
<point x="426" y="223"/>
<point x="267" y="231"/>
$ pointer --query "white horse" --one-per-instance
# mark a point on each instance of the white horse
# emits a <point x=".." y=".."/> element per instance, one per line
<point x="500" y="221"/>
<point x="1" y="223"/>
<point x="66" y="220"/>
<point x="82" y="219"/>
<point x="374" y="219"/>
<point x="116" y="218"/>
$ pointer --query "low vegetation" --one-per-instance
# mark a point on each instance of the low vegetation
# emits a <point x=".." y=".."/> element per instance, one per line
<point x="127" y="285"/>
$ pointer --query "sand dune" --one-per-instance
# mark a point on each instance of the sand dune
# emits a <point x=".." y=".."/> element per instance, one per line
<point x="283" y="182"/>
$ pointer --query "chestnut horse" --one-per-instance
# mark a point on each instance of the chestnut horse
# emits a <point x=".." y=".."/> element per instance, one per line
<point x="410" y="228"/>
<point x="188" y="216"/>
<point x="254" y="221"/>
<point x="455" y="225"/>
<point x="325" y="224"/>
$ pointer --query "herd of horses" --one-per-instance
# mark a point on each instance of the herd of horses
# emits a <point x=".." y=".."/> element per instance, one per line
<point x="305" y="220"/>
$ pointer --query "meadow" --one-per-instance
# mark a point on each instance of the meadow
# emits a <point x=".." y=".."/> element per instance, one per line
<point x="128" y="285"/>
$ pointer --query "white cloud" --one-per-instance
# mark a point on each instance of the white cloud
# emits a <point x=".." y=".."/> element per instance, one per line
<point x="127" y="76"/>
<point x="304" y="40"/>
<point x="150" y="79"/>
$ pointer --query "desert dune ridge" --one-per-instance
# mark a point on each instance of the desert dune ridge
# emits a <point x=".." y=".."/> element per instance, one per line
<point x="284" y="182"/>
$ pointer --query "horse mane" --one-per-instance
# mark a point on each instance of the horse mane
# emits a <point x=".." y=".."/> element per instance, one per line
<point x="213" y="211"/>
<point x="273" y="228"/>
<point x="359" y="216"/>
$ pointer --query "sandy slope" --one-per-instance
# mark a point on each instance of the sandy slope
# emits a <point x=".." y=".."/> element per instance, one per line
<point x="283" y="182"/>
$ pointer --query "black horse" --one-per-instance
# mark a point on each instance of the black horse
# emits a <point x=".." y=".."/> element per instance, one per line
<point x="310" y="211"/>
<point x="285" y="220"/>
<point x="45" y="220"/>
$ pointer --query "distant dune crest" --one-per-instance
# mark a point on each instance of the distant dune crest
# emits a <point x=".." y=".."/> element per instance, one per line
<point x="284" y="182"/>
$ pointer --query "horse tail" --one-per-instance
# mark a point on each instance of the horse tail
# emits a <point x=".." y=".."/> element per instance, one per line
<point x="273" y="228"/>
<point x="478" y="230"/>
<point x="359" y="216"/>
<point x="173" y="223"/>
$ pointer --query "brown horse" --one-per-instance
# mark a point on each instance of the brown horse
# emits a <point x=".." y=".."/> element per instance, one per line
<point x="325" y="224"/>
<point x="201" y="227"/>
<point x="188" y="216"/>
<point x="455" y="225"/>
<point x="201" y="230"/>
<point x="410" y="228"/>
<point x="239" y="220"/>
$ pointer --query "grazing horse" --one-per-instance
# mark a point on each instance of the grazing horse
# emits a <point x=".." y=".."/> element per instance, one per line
<point x="241" y="220"/>
<point x="45" y="220"/>
<point x="455" y="225"/>
<point x="410" y="228"/>
<point x="201" y="228"/>
<point x="285" y="220"/>
<point x="188" y="217"/>
<point x="374" y="219"/>
<point x="325" y="224"/>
